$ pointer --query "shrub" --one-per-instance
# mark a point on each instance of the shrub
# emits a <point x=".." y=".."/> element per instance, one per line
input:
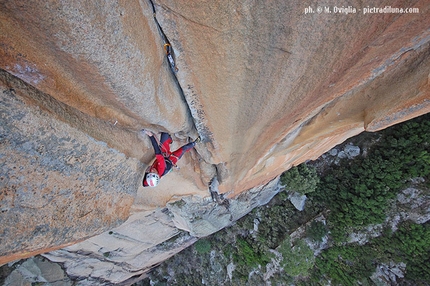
<point x="345" y="265"/>
<point x="413" y="241"/>
<point x="316" y="231"/>
<point x="296" y="260"/>
<point x="247" y="256"/>
<point x="203" y="246"/>
<point x="302" y="179"/>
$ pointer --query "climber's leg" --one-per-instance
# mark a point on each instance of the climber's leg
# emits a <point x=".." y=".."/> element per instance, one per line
<point x="165" y="142"/>
<point x="181" y="151"/>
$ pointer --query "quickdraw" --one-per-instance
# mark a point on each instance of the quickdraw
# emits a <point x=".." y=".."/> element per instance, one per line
<point x="168" y="49"/>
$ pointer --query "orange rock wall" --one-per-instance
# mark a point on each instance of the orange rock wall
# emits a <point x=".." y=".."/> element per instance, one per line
<point x="276" y="87"/>
<point x="100" y="57"/>
<point x="265" y="85"/>
<point x="57" y="185"/>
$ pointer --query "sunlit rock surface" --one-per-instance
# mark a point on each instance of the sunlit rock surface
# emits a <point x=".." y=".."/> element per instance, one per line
<point x="265" y="85"/>
<point x="58" y="185"/>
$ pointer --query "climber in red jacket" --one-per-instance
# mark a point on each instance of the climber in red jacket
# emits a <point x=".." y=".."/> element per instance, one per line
<point x="164" y="158"/>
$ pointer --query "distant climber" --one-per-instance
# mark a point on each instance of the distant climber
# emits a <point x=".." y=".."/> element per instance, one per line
<point x="165" y="160"/>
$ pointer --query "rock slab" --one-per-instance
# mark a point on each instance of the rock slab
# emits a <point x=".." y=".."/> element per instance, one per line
<point x="57" y="184"/>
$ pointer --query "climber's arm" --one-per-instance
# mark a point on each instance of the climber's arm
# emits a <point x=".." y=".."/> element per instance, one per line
<point x="155" y="145"/>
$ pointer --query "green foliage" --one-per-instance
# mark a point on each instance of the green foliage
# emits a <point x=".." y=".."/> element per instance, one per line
<point x="414" y="239"/>
<point x="316" y="231"/>
<point x="409" y="244"/>
<point x="249" y="256"/>
<point x="276" y="221"/>
<point x="203" y="246"/>
<point x="227" y="250"/>
<point x="413" y="243"/>
<point x="345" y="265"/>
<point x="358" y="192"/>
<point x="296" y="260"/>
<point x="272" y="228"/>
<point x="302" y="179"/>
<point x="348" y="264"/>
<point x="281" y="278"/>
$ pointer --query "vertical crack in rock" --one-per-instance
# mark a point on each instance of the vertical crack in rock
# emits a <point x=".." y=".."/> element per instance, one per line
<point x="216" y="196"/>
<point x="194" y="112"/>
<point x="220" y="173"/>
<point x="169" y="52"/>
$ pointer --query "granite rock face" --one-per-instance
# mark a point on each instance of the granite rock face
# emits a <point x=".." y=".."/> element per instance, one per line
<point x="38" y="270"/>
<point x="58" y="185"/>
<point x="264" y="84"/>
<point x="127" y="251"/>
<point x="294" y="85"/>
<point x="100" y="57"/>
<point x="147" y="238"/>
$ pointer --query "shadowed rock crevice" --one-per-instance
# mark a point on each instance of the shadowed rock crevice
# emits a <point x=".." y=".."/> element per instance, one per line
<point x="196" y="114"/>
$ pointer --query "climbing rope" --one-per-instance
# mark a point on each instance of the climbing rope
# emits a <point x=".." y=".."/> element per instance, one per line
<point x="167" y="46"/>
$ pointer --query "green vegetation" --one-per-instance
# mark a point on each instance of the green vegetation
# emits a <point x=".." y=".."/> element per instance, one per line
<point x="344" y="265"/>
<point x="246" y="255"/>
<point x="410" y="244"/>
<point x="358" y="191"/>
<point x="302" y="179"/>
<point x="203" y="246"/>
<point x="316" y="231"/>
<point x="297" y="259"/>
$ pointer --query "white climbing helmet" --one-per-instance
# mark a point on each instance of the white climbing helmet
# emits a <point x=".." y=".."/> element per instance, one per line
<point x="152" y="179"/>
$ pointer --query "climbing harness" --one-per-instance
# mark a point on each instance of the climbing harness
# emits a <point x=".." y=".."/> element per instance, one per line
<point x="166" y="155"/>
<point x="167" y="46"/>
<point x="174" y="165"/>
